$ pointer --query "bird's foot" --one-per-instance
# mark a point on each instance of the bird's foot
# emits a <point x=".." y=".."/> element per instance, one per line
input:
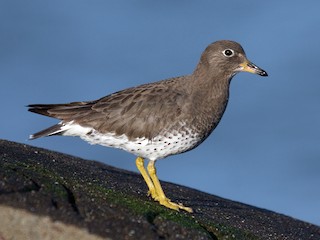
<point x="153" y="194"/>
<point x="176" y="206"/>
<point x="155" y="189"/>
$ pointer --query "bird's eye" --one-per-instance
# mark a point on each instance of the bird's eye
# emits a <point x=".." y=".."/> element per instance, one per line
<point x="228" y="52"/>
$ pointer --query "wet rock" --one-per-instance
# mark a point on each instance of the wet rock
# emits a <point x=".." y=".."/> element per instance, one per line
<point x="108" y="203"/>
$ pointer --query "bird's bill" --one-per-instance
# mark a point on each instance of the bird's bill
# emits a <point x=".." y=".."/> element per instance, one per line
<point x="248" y="66"/>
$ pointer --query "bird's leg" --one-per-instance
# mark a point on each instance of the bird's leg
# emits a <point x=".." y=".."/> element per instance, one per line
<point x="161" y="197"/>
<point x="142" y="170"/>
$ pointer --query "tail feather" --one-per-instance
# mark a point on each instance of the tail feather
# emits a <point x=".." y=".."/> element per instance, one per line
<point x="53" y="130"/>
<point x="60" y="111"/>
<point x="40" y="108"/>
<point x="65" y="112"/>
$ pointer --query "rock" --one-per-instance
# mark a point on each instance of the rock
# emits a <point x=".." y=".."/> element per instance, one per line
<point x="49" y="195"/>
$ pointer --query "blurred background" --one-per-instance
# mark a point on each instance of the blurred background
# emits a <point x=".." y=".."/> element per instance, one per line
<point x="265" y="152"/>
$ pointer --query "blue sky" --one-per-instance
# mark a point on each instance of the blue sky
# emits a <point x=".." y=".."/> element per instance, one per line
<point x="265" y="152"/>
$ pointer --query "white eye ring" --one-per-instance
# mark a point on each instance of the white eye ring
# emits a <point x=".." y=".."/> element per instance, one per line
<point x="228" y="52"/>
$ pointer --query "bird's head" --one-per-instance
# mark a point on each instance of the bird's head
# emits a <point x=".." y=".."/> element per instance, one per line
<point x="228" y="57"/>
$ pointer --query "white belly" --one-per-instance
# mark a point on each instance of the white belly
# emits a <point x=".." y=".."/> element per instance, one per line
<point x="156" y="148"/>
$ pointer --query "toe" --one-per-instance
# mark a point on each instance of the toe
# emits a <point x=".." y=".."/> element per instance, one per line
<point x="167" y="203"/>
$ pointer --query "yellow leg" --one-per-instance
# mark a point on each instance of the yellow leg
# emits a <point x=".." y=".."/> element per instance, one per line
<point x="161" y="197"/>
<point x="142" y="170"/>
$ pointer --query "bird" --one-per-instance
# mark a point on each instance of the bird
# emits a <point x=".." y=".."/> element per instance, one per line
<point x="159" y="119"/>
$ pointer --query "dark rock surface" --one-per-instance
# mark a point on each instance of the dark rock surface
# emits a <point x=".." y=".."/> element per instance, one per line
<point x="112" y="203"/>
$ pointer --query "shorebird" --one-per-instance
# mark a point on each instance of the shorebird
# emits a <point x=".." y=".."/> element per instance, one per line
<point x="156" y="120"/>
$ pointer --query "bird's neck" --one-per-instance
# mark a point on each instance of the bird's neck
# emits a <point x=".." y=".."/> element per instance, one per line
<point x="210" y="94"/>
<point x="211" y="83"/>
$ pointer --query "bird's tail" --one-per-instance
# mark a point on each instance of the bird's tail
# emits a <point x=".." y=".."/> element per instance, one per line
<point x="60" y="111"/>
<point x="65" y="112"/>
<point x="53" y="130"/>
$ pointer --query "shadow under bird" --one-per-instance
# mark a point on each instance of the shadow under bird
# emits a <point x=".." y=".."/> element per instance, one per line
<point x="159" y="119"/>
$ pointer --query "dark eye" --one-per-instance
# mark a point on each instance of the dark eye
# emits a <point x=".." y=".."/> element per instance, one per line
<point x="228" y="52"/>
